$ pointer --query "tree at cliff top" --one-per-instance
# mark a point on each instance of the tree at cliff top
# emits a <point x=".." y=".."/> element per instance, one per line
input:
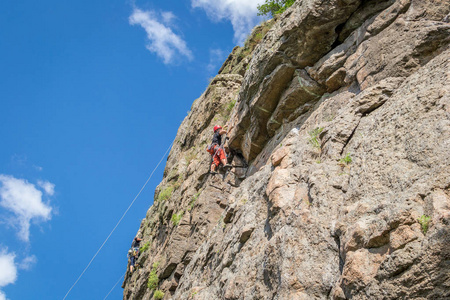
<point x="274" y="7"/>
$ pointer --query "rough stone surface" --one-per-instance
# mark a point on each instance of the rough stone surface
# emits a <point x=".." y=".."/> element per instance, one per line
<point x="327" y="215"/>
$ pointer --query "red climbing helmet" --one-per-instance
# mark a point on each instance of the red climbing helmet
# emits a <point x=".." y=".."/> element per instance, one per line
<point x="217" y="127"/>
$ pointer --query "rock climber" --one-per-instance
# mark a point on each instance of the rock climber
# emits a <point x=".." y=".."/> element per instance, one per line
<point x="133" y="253"/>
<point x="216" y="150"/>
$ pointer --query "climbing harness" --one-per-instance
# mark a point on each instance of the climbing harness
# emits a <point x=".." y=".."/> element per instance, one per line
<point x="213" y="151"/>
<point x="133" y="252"/>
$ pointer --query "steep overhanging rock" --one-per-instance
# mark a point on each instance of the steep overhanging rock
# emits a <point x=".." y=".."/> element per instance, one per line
<point x="344" y="117"/>
<point x="296" y="100"/>
<point x="304" y="34"/>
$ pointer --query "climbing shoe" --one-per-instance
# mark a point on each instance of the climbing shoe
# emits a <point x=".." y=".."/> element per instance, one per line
<point x="227" y="166"/>
<point x="213" y="172"/>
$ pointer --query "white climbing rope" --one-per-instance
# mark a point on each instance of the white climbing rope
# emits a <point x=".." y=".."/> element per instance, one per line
<point x="120" y="220"/>
<point x="114" y="286"/>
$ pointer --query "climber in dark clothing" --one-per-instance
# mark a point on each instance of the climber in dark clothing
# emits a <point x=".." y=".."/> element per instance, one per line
<point x="133" y="253"/>
<point x="216" y="149"/>
<point x="136" y="242"/>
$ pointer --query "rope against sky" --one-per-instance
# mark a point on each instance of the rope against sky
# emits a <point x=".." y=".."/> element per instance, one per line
<point x="120" y="220"/>
<point x="114" y="286"/>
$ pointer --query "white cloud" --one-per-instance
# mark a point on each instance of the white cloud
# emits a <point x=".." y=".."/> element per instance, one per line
<point x="8" y="273"/>
<point x="8" y="269"/>
<point x="168" y="17"/>
<point x="24" y="200"/>
<point x="48" y="187"/>
<point x="28" y="262"/>
<point x="241" y="14"/>
<point x="161" y="39"/>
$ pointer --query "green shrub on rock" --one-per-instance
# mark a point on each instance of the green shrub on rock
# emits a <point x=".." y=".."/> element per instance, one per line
<point x="192" y="202"/>
<point x="424" y="221"/>
<point x="314" y="139"/>
<point x="158" y="294"/>
<point x="274" y="7"/>
<point x="176" y="218"/>
<point x="166" y="193"/>
<point x="346" y="160"/>
<point x="144" y="247"/>
<point x="153" y="279"/>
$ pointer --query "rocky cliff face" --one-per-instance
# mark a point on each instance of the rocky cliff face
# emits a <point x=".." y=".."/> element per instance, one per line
<point x="340" y="129"/>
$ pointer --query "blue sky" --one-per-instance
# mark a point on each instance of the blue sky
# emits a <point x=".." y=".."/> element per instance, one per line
<point x="91" y="95"/>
